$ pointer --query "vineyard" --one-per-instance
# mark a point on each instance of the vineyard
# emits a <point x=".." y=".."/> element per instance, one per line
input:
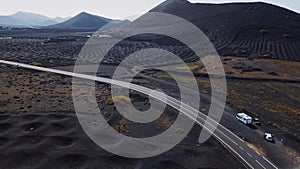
<point x="266" y="47"/>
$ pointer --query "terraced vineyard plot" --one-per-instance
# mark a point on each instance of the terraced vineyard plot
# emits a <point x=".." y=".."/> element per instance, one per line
<point x="264" y="47"/>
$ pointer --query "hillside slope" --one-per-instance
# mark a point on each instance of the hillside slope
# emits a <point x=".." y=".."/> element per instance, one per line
<point x="255" y="30"/>
<point x="82" y="21"/>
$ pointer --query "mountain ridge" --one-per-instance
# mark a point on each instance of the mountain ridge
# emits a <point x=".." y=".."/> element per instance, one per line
<point x="88" y="22"/>
<point x="82" y="20"/>
<point x="27" y="19"/>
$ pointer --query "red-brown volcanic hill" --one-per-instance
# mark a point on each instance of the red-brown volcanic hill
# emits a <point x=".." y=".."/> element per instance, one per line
<point x="258" y="29"/>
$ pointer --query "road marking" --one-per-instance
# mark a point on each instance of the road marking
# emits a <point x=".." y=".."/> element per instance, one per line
<point x="233" y="134"/>
<point x="257" y="153"/>
<point x="249" y="155"/>
<point x="260" y="164"/>
<point x="228" y="138"/>
<point x="269" y="162"/>
<point x="241" y="148"/>
<point x="234" y="151"/>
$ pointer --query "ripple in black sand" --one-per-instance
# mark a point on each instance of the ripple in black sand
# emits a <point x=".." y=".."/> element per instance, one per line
<point x="4" y="127"/>
<point x="31" y="140"/>
<point x="62" y="141"/>
<point x="69" y="161"/>
<point x="30" y="127"/>
<point x="22" y="160"/>
<point x="4" y="140"/>
<point x="30" y="117"/>
<point x="168" y="164"/>
<point x="57" y="128"/>
<point x="191" y="153"/>
<point x="3" y="117"/>
<point x="57" y="116"/>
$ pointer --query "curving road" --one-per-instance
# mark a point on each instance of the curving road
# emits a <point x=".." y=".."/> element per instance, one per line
<point x="249" y="157"/>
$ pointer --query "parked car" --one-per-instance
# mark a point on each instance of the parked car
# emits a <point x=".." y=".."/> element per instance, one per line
<point x="269" y="137"/>
<point x="256" y="119"/>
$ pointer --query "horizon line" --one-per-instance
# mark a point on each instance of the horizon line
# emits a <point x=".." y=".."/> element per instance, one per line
<point x="135" y="15"/>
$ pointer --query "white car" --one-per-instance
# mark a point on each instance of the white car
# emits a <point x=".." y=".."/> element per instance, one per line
<point x="269" y="137"/>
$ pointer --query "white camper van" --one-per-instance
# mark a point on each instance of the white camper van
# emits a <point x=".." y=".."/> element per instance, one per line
<point x="244" y="118"/>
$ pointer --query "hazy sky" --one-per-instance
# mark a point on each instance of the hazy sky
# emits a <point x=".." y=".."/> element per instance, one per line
<point x="116" y="9"/>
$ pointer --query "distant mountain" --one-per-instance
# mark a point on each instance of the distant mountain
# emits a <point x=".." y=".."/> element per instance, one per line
<point x="243" y="29"/>
<point x="25" y="19"/>
<point x="60" y="19"/>
<point x="115" y="23"/>
<point x="84" y="21"/>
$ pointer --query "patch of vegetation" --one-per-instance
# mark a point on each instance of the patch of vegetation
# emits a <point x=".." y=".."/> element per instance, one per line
<point x="37" y="64"/>
<point x="265" y="55"/>
<point x="123" y="126"/>
<point x="190" y="67"/>
<point x="257" y="149"/>
<point x="118" y="99"/>
<point x="164" y="121"/>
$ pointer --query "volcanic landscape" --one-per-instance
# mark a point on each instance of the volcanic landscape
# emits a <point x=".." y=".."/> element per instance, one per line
<point x="261" y="59"/>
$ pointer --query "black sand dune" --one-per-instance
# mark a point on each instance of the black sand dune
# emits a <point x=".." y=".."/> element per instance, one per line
<point x="258" y="30"/>
<point x="56" y="140"/>
<point x="53" y="138"/>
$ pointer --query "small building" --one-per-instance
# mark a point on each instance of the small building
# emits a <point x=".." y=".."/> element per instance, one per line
<point x="6" y="38"/>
